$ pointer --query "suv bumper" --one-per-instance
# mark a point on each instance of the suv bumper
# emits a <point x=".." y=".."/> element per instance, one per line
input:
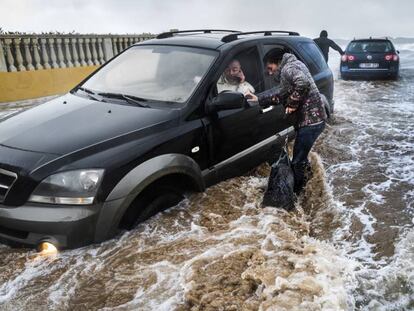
<point x="64" y="226"/>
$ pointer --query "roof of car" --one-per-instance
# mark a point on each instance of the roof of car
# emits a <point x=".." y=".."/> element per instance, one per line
<point x="210" y="41"/>
<point x="214" y="40"/>
<point x="371" y="39"/>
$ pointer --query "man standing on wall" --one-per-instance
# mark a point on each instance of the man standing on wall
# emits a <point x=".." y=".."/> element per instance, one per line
<point x="324" y="44"/>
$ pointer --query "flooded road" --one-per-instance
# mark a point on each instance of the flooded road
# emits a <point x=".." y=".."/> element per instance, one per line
<point x="348" y="246"/>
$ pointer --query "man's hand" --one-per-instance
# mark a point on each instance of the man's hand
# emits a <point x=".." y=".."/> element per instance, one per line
<point x="251" y="96"/>
<point x="289" y="110"/>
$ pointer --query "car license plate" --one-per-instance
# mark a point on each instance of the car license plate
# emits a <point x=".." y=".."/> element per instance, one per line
<point x="368" y="65"/>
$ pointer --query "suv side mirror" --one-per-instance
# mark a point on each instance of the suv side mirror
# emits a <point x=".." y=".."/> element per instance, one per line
<point x="226" y="100"/>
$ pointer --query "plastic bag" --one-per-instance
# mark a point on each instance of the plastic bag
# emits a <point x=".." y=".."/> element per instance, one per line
<point x="279" y="191"/>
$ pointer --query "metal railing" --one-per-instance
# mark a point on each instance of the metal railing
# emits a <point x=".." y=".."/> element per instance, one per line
<point x="36" y="52"/>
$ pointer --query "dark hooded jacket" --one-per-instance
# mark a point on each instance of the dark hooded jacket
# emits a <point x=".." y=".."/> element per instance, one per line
<point x="296" y="79"/>
<point x="324" y="44"/>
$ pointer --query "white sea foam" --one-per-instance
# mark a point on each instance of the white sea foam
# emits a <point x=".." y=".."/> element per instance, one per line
<point x="382" y="148"/>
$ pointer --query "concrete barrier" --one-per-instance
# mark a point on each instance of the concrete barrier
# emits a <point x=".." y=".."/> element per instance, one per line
<point x="16" y="86"/>
<point x="34" y="66"/>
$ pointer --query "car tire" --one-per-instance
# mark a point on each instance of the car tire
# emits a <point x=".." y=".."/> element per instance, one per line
<point x="152" y="201"/>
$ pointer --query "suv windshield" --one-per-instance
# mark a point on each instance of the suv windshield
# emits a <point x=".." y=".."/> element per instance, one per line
<point x="370" y="47"/>
<point x="157" y="73"/>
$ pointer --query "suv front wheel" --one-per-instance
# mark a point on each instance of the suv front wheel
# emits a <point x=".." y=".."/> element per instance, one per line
<point x="153" y="200"/>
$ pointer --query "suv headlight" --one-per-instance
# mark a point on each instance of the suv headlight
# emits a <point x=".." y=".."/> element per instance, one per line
<point x="72" y="187"/>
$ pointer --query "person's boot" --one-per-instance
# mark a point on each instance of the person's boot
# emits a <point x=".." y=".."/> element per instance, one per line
<point x="308" y="173"/>
<point x="299" y="173"/>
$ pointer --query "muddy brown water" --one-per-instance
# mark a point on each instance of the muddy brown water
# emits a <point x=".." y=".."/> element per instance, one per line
<point x="348" y="246"/>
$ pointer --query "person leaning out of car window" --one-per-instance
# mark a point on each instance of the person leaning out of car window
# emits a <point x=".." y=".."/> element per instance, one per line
<point x="299" y="94"/>
<point x="233" y="79"/>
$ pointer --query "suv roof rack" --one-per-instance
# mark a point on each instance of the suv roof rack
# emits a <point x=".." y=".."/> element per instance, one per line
<point x="169" y="34"/>
<point x="235" y="36"/>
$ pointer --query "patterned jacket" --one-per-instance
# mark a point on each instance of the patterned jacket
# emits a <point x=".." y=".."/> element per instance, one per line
<point x="296" y="79"/>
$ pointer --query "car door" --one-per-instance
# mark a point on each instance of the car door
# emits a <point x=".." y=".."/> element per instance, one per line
<point x="231" y="132"/>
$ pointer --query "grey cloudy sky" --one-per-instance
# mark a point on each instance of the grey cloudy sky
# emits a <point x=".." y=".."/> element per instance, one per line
<point x="342" y="19"/>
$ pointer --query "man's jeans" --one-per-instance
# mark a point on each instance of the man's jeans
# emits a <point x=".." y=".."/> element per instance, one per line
<point x="305" y="138"/>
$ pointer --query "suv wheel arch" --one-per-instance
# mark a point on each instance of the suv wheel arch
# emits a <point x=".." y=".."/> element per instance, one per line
<point x="156" y="197"/>
<point x="148" y="173"/>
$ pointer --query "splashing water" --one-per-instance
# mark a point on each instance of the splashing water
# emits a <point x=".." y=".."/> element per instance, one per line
<point x="217" y="249"/>
<point x="348" y="245"/>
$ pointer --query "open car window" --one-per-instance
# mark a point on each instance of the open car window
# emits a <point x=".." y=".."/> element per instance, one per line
<point x="242" y="73"/>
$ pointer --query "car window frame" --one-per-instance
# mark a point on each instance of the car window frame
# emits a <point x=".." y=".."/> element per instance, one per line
<point x="234" y="55"/>
<point x="226" y="54"/>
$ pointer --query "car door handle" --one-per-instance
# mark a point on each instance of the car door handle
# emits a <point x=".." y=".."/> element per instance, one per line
<point x="265" y="110"/>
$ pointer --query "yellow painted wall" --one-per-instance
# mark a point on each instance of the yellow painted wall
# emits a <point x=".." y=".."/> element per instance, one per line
<point x="38" y="83"/>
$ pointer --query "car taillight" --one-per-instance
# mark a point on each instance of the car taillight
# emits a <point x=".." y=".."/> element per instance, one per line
<point x="346" y="58"/>
<point x="393" y="57"/>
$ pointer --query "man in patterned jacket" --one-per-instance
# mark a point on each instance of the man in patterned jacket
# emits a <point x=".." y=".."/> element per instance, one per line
<point x="300" y="96"/>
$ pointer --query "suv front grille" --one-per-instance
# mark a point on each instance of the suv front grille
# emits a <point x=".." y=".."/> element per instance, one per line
<point x="7" y="180"/>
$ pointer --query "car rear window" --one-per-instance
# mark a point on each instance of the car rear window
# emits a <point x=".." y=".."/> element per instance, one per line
<point x="316" y="61"/>
<point x="370" y="47"/>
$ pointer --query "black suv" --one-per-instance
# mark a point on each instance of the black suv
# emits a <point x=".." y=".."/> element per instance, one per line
<point x="146" y="127"/>
<point x="370" y="59"/>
